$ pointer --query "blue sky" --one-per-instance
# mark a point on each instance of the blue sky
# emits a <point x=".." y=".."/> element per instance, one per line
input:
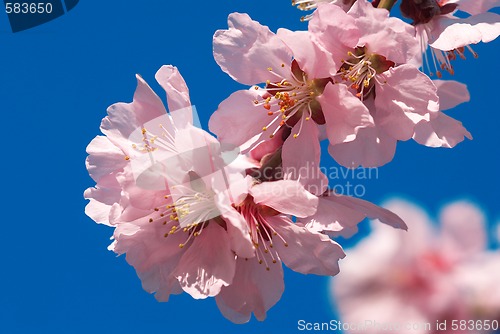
<point x="57" y="81"/>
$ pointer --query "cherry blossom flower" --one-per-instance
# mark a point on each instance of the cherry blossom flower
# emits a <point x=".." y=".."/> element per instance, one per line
<point x="296" y="73"/>
<point x="187" y="216"/>
<point x="447" y="35"/>
<point x="421" y="276"/>
<point x="258" y="282"/>
<point x="397" y="95"/>
<point x="159" y="184"/>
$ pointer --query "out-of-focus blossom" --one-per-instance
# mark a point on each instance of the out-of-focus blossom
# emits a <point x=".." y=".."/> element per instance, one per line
<point x="425" y="275"/>
<point x="447" y="35"/>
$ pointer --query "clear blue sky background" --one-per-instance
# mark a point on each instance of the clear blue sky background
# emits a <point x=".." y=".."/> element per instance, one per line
<point x="56" y="83"/>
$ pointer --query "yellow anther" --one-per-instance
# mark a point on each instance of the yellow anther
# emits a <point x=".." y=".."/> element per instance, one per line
<point x="264" y="128"/>
<point x="295" y="135"/>
<point x="181" y="245"/>
<point x="269" y="68"/>
<point x="127" y="157"/>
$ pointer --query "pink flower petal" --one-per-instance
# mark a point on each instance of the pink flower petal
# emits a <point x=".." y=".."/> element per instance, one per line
<point x="177" y="91"/>
<point x="285" y="196"/>
<point x="333" y="217"/>
<point x="338" y="215"/>
<point x="335" y="30"/>
<point x="208" y="264"/>
<point x="407" y="97"/>
<point x="371" y="148"/>
<point x="254" y="289"/>
<point x="442" y="131"/>
<point x="450" y="33"/>
<point x="451" y="93"/>
<point x="237" y="230"/>
<point x="104" y="158"/>
<point x="488" y="24"/>
<point x="305" y="251"/>
<point x="238" y="119"/>
<point x="474" y="7"/>
<point x="153" y="257"/>
<point x="311" y="57"/>
<point x="370" y="210"/>
<point x="344" y="113"/>
<point x="124" y="118"/>
<point x="247" y="49"/>
<point x="463" y="229"/>
<point x="399" y="44"/>
<point x="106" y="193"/>
<point x="300" y="157"/>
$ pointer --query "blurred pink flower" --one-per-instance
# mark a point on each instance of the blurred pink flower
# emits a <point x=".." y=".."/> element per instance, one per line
<point x="421" y="276"/>
<point x="159" y="183"/>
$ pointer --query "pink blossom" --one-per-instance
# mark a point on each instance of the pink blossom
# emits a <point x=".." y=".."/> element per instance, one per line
<point x="397" y="95"/>
<point x="160" y="184"/>
<point x="258" y="282"/>
<point x="424" y="275"/>
<point x="447" y="35"/>
<point x="444" y="131"/>
<point x="339" y="215"/>
<point x="297" y="92"/>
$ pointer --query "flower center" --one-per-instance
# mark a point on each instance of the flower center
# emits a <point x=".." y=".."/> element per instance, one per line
<point x="261" y="232"/>
<point x="360" y="68"/>
<point x="288" y="101"/>
<point x="188" y="210"/>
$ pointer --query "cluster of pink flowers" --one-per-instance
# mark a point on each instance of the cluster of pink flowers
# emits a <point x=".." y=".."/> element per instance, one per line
<point x="217" y="217"/>
<point x="437" y="274"/>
